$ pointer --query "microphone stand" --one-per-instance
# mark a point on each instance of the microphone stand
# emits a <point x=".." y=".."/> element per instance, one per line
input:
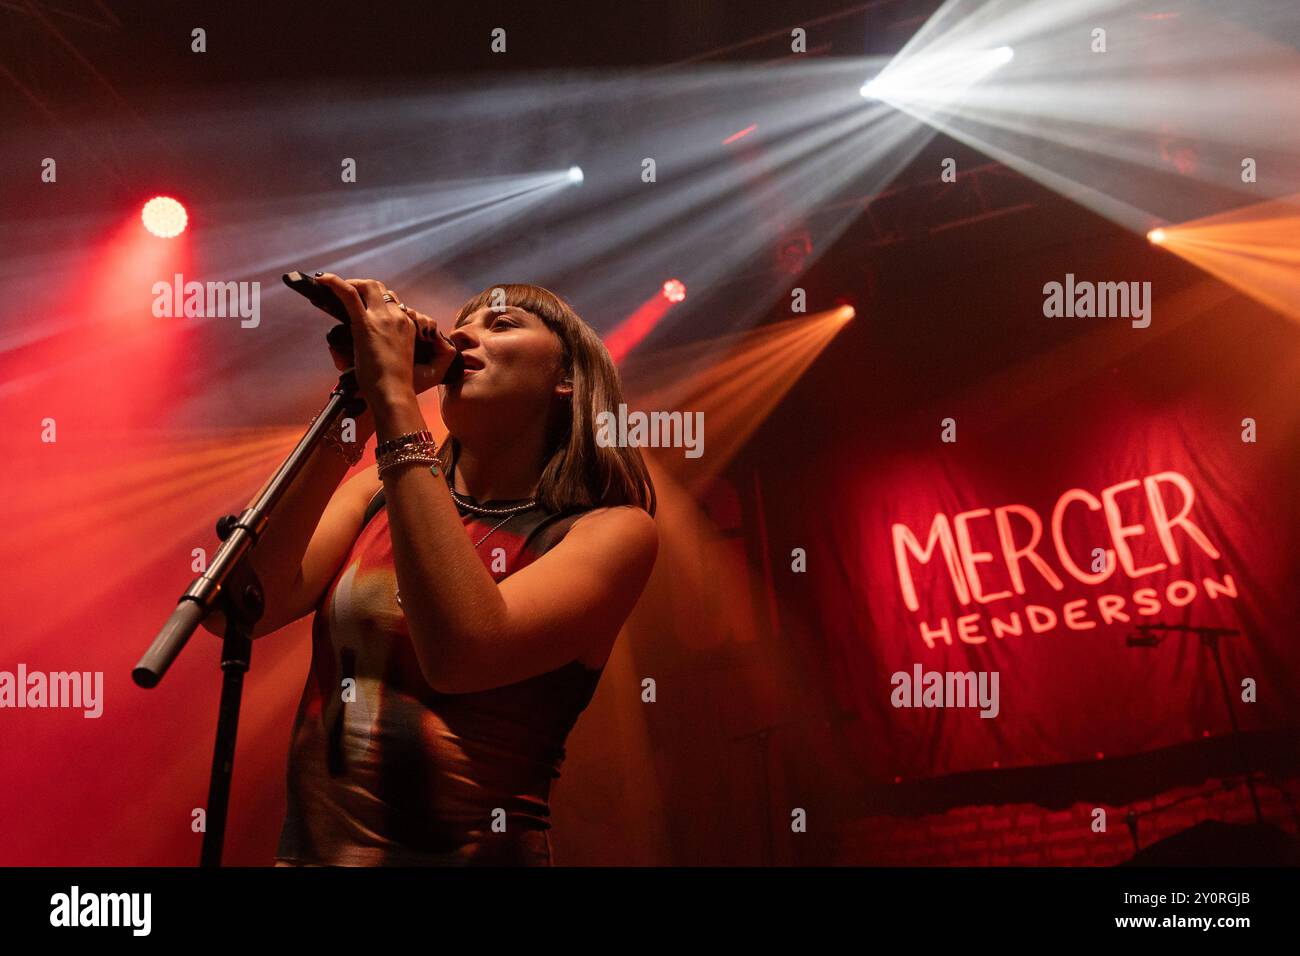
<point x="1210" y="639"/>
<point x="231" y="584"/>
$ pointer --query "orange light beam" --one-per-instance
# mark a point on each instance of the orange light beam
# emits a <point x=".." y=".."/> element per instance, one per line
<point x="735" y="381"/>
<point x="1255" y="249"/>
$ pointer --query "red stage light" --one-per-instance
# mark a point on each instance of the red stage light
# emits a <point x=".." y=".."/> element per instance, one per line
<point x="164" y="217"/>
<point x="674" y="290"/>
<point x="735" y="136"/>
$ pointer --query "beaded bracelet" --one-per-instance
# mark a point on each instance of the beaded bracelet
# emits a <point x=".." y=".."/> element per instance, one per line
<point x="422" y="452"/>
<point x="407" y="459"/>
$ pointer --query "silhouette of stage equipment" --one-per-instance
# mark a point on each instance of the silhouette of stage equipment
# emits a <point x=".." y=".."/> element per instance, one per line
<point x="1215" y="843"/>
<point x="1211" y="842"/>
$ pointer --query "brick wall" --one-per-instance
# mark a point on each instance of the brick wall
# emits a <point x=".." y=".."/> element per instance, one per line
<point x="1029" y="835"/>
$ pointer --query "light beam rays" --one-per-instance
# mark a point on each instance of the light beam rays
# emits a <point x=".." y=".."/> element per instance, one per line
<point x="1144" y="112"/>
<point x="735" y="380"/>
<point x="1255" y="249"/>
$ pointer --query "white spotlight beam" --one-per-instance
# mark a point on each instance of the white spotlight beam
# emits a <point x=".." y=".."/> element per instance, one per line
<point x="1142" y="111"/>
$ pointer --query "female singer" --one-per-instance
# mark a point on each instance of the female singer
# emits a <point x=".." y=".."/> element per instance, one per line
<point x="467" y="594"/>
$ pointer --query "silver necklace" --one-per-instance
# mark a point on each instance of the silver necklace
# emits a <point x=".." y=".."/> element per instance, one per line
<point x="494" y="527"/>
<point x="480" y="510"/>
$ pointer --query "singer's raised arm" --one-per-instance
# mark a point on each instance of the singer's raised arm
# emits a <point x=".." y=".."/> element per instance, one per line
<point x="470" y="633"/>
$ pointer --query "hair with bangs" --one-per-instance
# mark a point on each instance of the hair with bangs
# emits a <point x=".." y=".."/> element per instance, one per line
<point x="579" y="473"/>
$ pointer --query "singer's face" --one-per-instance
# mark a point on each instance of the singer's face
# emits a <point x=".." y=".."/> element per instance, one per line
<point x="513" y="363"/>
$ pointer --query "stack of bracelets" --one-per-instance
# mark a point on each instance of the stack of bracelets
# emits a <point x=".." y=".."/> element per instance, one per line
<point x="413" y="447"/>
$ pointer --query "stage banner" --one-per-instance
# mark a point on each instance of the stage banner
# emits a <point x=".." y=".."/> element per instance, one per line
<point x="985" y="593"/>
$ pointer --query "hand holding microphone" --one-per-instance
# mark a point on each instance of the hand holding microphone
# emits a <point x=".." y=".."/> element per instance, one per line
<point x="392" y="347"/>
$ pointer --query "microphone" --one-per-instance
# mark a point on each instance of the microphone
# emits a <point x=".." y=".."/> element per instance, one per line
<point x="340" y="336"/>
<point x="1149" y="640"/>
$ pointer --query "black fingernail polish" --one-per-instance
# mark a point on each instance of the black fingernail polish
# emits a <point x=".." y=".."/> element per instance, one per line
<point x="320" y="273"/>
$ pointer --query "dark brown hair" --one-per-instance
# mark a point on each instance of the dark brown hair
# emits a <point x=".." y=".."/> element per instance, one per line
<point x="579" y="473"/>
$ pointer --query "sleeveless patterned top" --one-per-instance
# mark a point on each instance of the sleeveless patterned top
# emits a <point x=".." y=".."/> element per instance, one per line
<point x="382" y="769"/>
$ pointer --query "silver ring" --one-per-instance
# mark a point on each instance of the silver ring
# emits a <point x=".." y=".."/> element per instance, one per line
<point x="389" y="297"/>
